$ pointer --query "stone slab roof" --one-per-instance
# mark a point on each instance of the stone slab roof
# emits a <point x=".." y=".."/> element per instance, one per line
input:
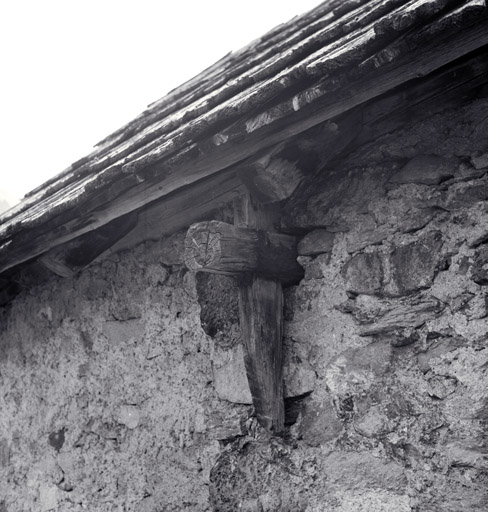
<point x="190" y="145"/>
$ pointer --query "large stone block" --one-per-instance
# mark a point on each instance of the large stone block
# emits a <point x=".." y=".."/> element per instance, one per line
<point x="230" y="378"/>
<point x="356" y="370"/>
<point x="316" y="242"/>
<point x="373" y="501"/>
<point x="229" y="375"/>
<point x="48" y="498"/>
<point x="402" y="271"/>
<point x="364" y="273"/>
<point x="426" y="169"/>
<point x="298" y="376"/>
<point x="406" y="209"/>
<point x="366" y="232"/>
<point x="320" y="423"/>
<point x="372" y="423"/>
<point x="413" y="266"/>
<point x="362" y="470"/>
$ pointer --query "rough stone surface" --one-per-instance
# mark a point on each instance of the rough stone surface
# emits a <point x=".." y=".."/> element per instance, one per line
<point x="480" y="160"/>
<point x="409" y="313"/>
<point x="413" y="266"/>
<point x="395" y="270"/>
<point x="426" y="169"/>
<point x="321" y="423"/>
<point x="118" y="387"/>
<point x="366" y="232"/>
<point x="102" y="411"/>
<point x="316" y="242"/>
<point x="172" y="249"/>
<point x="364" y="274"/>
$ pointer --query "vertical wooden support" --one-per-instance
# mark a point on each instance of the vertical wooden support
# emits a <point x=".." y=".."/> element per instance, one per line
<point x="261" y="260"/>
<point x="261" y="319"/>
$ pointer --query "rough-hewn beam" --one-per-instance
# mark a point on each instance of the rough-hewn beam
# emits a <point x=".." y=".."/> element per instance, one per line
<point x="260" y="259"/>
<point x="194" y="151"/>
<point x="226" y="249"/>
<point x="178" y="211"/>
<point x="275" y="175"/>
<point x="70" y="258"/>
<point x="261" y="319"/>
<point x="271" y="178"/>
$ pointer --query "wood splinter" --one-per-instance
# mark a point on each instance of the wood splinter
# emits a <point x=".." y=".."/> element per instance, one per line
<point x="261" y="260"/>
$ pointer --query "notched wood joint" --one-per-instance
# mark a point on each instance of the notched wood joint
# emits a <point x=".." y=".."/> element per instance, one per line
<point x="262" y="261"/>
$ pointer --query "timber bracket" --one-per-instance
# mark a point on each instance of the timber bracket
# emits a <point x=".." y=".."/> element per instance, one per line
<point x="222" y="248"/>
<point x="261" y="261"/>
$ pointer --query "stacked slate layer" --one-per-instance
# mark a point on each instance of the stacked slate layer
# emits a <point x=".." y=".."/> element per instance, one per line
<point x="305" y="72"/>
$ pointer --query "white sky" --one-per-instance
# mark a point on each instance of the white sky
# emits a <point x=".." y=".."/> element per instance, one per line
<point x="72" y="72"/>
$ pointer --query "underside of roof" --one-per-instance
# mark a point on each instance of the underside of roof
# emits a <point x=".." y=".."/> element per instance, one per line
<point x="194" y="148"/>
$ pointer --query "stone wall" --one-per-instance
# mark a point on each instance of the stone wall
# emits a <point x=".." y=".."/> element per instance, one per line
<point x="391" y="317"/>
<point x="124" y="388"/>
<point x="106" y="391"/>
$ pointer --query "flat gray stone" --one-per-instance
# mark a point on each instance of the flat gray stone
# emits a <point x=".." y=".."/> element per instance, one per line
<point x="364" y="273"/>
<point x="413" y="266"/>
<point x="316" y="242"/>
<point x="230" y="378"/>
<point x="320" y="423"/>
<point x="480" y="161"/>
<point x="402" y="315"/>
<point x="426" y="169"/>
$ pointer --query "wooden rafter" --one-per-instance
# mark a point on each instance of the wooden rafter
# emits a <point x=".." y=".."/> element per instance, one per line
<point x="310" y="71"/>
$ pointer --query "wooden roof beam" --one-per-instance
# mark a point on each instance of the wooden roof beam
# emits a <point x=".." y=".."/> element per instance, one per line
<point x="100" y="199"/>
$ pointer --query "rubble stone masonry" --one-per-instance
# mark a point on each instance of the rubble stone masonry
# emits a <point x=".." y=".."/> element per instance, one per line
<point x="123" y="388"/>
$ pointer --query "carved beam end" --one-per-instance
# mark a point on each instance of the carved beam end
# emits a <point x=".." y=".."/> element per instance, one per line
<point x="226" y="249"/>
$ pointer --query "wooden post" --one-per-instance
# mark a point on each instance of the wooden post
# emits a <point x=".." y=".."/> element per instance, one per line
<point x="261" y="320"/>
<point x="261" y="259"/>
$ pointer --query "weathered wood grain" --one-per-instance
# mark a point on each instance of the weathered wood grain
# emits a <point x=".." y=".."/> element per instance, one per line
<point x="68" y="259"/>
<point x="319" y="80"/>
<point x="261" y="319"/>
<point x="170" y="214"/>
<point x="236" y="85"/>
<point x="222" y="248"/>
<point x="272" y="177"/>
<point x="255" y="257"/>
